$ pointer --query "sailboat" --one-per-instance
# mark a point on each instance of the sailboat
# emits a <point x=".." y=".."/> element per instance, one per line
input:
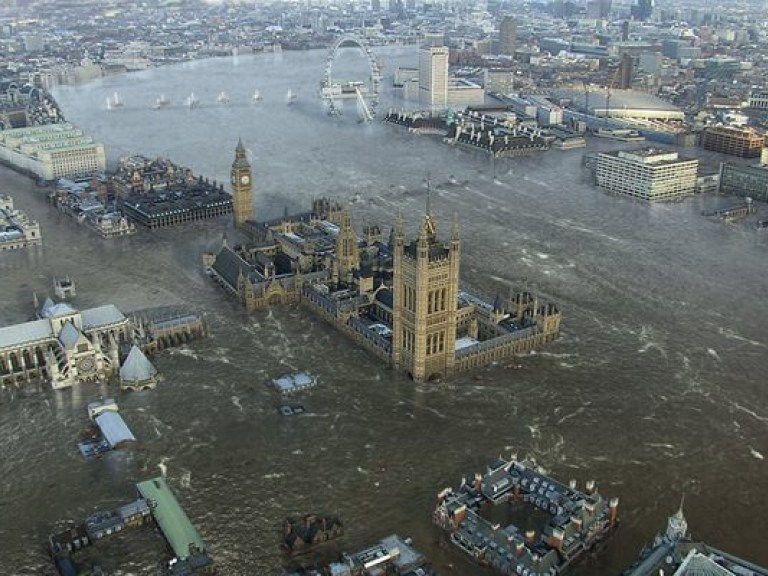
<point x="192" y="101"/>
<point x="161" y="102"/>
<point x="290" y="98"/>
<point x="256" y="96"/>
<point x="222" y="98"/>
<point x="116" y="102"/>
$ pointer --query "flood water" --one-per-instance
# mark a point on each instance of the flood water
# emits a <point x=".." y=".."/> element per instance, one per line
<point x="656" y="387"/>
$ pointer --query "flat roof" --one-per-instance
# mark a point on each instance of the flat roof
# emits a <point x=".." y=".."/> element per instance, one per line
<point x="170" y="516"/>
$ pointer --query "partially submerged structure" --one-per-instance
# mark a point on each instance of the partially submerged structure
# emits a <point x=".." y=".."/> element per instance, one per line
<point x="113" y="433"/>
<point x="576" y="521"/>
<point x="137" y="372"/>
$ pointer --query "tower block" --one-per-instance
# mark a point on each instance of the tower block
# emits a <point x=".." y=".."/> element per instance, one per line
<point x="426" y="286"/>
<point x="242" y="187"/>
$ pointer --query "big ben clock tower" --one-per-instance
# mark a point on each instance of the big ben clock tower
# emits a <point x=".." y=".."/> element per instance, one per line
<point x="242" y="191"/>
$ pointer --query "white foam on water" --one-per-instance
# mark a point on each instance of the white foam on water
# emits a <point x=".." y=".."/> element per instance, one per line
<point x="186" y="479"/>
<point x="712" y="352"/>
<point x="660" y="445"/>
<point x="755" y="454"/>
<point x="236" y="402"/>
<point x="731" y="335"/>
<point x="752" y="413"/>
<point x="273" y="476"/>
<point x="542" y="256"/>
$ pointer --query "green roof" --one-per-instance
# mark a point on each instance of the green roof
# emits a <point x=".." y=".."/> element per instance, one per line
<point x="169" y="515"/>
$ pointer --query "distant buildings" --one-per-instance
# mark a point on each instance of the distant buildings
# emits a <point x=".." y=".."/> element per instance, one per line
<point x="677" y="553"/>
<point x="16" y="230"/>
<point x="507" y="36"/>
<point x="647" y="174"/>
<point x="743" y="142"/>
<point x="52" y="151"/>
<point x="749" y="181"/>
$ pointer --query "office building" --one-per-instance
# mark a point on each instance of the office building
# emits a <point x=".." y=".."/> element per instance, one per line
<point x="52" y="151"/>
<point x="742" y="142"/>
<point x="748" y="181"/>
<point x="647" y="174"/>
<point x="507" y="36"/>
<point x="433" y="75"/>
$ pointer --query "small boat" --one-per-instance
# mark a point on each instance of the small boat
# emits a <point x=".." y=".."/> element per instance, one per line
<point x="191" y="101"/>
<point x="256" y="96"/>
<point x="222" y="98"/>
<point x="161" y="102"/>
<point x="116" y="102"/>
<point x="290" y="97"/>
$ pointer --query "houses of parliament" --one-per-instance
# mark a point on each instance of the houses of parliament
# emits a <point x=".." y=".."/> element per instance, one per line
<point x="399" y="298"/>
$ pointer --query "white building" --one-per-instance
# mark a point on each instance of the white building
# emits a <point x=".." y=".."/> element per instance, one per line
<point x="64" y="346"/>
<point x="433" y="75"/>
<point x="16" y="230"/>
<point x="647" y="174"/>
<point x="52" y="151"/>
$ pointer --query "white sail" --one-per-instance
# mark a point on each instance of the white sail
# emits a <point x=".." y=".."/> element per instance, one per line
<point x="290" y="98"/>
<point x="222" y="98"/>
<point x="256" y="96"/>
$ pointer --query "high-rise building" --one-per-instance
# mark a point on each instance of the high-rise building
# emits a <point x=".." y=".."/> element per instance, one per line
<point x="626" y="71"/>
<point x="507" y="36"/>
<point x="643" y="9"/>
<point x="426" y="291"/>
<point x="242" y="189"/>
<point x="433" y="75"/>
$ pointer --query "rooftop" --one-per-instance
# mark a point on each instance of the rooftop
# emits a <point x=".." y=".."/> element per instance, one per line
<point x="170" y="516"/>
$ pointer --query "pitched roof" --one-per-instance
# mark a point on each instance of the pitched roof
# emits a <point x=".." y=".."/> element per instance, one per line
<point x="69" y="335"/>
<point x="60" y="309"/>
<point x="229" y="264"/>
<point x="137" y="367"/>
<point x="15" y="336"/>
<point x="173" y="521"/>
<point x="114" y="428"/>
<point x="101" y="316"/>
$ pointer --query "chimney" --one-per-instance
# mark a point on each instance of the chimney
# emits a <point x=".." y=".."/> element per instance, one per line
<point x="530" y="536"/>
<point x="613" y="510"/>
<point x="577" y="523"/>
<point x="572" y="484"/>
<point x="478" y="482"/>
<point x="590" y="486"/>
<point x="519" y="548"/>
<point x="556" y="540"/>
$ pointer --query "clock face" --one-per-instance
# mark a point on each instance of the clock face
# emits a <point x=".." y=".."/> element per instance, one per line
<point x="244" y="179"/>
<point x="86" y="365"/>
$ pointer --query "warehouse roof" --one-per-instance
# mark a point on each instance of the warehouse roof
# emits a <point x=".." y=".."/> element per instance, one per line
<point x="169" y="515"/>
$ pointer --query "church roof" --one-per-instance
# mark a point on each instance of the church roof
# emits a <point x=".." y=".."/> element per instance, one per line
<point x="69" y="335"/>
<point x="101" y="316"/>
<point x="60" y="309"/>
<point x="229" y="264"/>
<point x="137" y="367"/>
<point x="15" y="336"/>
